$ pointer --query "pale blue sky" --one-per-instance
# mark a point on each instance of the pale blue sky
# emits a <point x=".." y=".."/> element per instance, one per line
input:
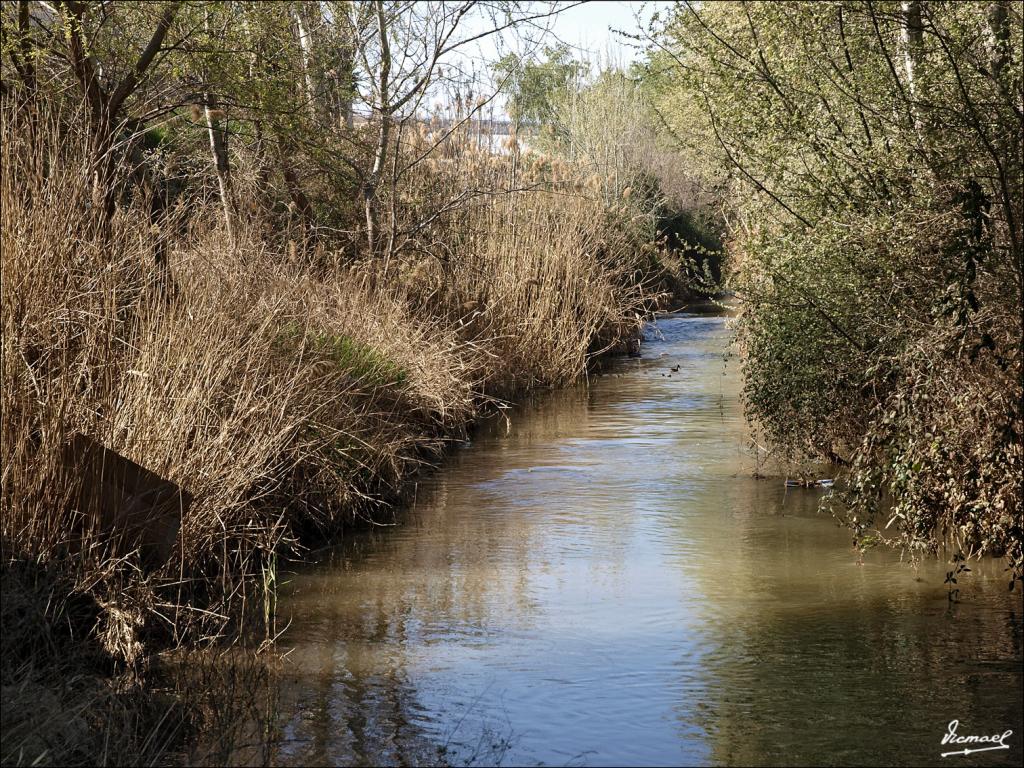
<point x="588" y="26"/>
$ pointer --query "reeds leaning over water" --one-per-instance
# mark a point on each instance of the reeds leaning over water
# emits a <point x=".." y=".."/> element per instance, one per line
<point x="284" y="396"/>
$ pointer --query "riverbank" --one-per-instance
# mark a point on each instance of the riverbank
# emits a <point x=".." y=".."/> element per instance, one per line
<point x="285" y="391"/>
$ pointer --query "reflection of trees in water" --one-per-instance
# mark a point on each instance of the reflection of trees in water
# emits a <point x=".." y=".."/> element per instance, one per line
<point x="346" y="704"/>
<point x="484" y="537"/>
<point x="462" y="560"/>
<point x="818" y="656"/>
<point x="797" y="653"/>
<point x="860" y="685"/>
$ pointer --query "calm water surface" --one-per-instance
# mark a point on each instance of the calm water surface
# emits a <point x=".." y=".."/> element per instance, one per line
<point x="602" y="582"/>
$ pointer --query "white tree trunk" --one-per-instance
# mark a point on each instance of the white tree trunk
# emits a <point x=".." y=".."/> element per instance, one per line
<point x="305" y="46"/>
<point x="912" y="37"/>
<point x="219" y="151"/>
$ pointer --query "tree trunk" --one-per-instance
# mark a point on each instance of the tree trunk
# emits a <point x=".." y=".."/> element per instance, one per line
<point x="219" y="149"/>
<point x="104" y="171"/>
<point x="372" y="182"/>
<point x="305" y="45"/>
<point x="370" y="186"/>
<point x="912" y="36"/>
<point x="299" y="202"/>
<point x="264" y="164"/>
<point x="999" y="37"/>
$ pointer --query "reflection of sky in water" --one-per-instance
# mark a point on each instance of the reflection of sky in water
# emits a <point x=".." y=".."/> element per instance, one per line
<point x="606" y="584"/>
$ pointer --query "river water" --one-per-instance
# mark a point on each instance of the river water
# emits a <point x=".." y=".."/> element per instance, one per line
<point x="600" y="580"/>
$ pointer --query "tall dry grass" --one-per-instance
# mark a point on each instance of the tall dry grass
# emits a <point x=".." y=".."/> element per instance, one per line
<point x="535" y="271"/>
<point x="285" y="397"/>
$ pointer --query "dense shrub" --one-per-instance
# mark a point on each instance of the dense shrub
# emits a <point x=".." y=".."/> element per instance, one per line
<point x="872" y="157"/>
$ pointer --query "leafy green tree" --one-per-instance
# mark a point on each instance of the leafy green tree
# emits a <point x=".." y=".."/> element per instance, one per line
<point x="535" y="86"/>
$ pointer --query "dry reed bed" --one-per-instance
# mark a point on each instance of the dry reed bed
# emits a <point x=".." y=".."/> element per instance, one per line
<point x="285" y="399"/>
